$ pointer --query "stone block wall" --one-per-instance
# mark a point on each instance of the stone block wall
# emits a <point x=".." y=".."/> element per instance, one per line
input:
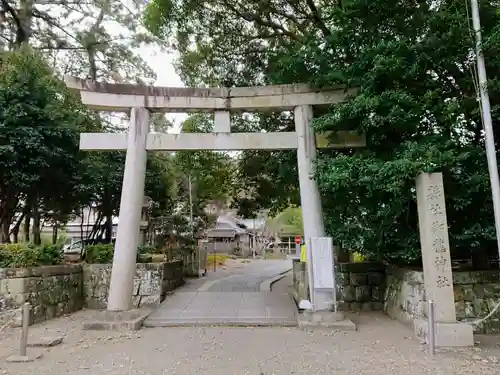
<point x="360" y="286"/>
<point x="400" y="292"/>
<point x="152" y="281"/>
<point x="405" y="294"/>
<point x="52" y="291"/>
<point x="191" y="264"/>
<point x="476" y="295"/>
<point x="173" y="277"/>
<point x="300" y="281"/>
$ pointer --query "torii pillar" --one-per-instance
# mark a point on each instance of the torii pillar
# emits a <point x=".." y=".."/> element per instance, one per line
<point x="310" y="200"/>
<point x="128" y="232"/>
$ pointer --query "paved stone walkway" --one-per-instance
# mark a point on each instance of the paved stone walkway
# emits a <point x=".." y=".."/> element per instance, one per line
<point x="219" y="308"/>
<point x="232" y="299"/>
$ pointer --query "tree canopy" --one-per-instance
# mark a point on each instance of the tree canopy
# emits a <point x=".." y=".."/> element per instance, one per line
<point x="44" y="178"/>
<point x="39" y="126"/>
<point x="413" y="65"/>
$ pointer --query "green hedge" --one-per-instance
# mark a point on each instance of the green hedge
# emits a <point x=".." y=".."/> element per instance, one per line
<point x="99" y="254"/>
<point x="28" y="255"/>
<point x="103" y="254"/>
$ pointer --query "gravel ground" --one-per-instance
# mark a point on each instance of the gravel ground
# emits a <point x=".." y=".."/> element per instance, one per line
<point x="381" y="347"/>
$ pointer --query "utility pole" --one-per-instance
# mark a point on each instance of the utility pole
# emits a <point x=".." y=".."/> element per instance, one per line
<point x="486" y="117"/>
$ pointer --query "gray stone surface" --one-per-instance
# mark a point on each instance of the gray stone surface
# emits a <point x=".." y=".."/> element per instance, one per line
<point x="381" y="346"/>
<point x="476" y="295"/>
<point x="447" y="334"/>
<point x="151" y="283"/>
<point x="405" y="294"/>
<point x="130" y="320"/>
<point x="230" y="298"/>
<point x="266" y="286"/>
<point x="46" y="342"/>
<point x="30" y="357"/>
<point x="220" y="308"/>
<point x="360" y="286"/>
<point x="52" y="291"/>
<point x="325" y="320"/>
<point x="57" y="290"/>
<point x="250" y="276"/>
<point x="401" y="292"/>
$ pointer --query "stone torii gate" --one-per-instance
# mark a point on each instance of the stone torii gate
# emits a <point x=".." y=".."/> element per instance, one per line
<point x="141" y="100"/>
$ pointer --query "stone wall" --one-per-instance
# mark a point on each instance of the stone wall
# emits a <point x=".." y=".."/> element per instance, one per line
<point x="152" y="282"/>
<point x="400" y="292"/>
<point x="300" y="281"/>
<point x="476" y="295"/>
<point x="405" y="294"/>
<point x="191" y="263"/>
<point x="52" y="291"/>
<point x="360" y="286"/>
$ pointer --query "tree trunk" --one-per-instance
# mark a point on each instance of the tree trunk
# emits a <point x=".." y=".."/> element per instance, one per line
<point x="81" y="223"/>
<point x="109" y="228"/>
<point x="15" y="233"/>
<point x="6" y="231"/>
<point x="54" y="233"/>
<point x="37" y="240"/>
<point x="17" y="226"/>
<point x="27" y="227"/>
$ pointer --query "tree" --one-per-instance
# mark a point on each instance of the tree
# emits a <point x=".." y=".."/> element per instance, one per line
<point x="95" y="39"/>
<point x="417" y="103"/>
<point x="90" y="39"/>
<point x="289" y="222"/>
<point x="209" y="175"/>
<point x="39" y="125"/>
<point x="412" y="63"/>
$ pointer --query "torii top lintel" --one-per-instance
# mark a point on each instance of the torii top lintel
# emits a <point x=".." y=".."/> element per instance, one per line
<point x="121" y="97"/>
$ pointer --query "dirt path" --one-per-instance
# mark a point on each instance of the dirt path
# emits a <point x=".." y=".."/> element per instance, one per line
<point x="380" y="347"/>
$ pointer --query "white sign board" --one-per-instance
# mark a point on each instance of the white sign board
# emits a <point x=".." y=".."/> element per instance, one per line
<point x="322" y="263"/>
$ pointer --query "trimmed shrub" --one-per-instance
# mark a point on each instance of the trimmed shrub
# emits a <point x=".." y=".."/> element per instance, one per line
<point x="28" y="255"/>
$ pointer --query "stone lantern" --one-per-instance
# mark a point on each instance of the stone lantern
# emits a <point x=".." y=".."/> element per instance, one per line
<point x="147" y="205"/>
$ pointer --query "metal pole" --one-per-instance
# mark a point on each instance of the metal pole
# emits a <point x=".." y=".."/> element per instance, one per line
<point x="431" y="330"/>
<point x="487" y="122"/>
<point x="254" y="239"/>
<point x="215" y="254"/>
<point x="191" y="206"/>
<point x="24" y="329"/>
<point x="335" y="307"/>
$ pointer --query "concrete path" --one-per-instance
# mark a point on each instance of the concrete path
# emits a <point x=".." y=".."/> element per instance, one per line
<point x="232" y="298"/>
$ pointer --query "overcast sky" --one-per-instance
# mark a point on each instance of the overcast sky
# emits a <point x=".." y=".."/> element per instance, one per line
<point x="162" y="64"/>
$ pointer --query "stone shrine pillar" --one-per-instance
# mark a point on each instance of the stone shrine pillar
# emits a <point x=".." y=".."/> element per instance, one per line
<point x="128" y="232"/>
<point x="438" y="278"/>
<point x="312" y="214"/>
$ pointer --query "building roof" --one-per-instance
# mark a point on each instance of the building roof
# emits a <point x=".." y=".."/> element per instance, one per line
<point x="227" y="226"/>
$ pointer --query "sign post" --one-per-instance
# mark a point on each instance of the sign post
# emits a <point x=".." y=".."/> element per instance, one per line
<point x="298" y="243"/>
<point x="322" y="274"/>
